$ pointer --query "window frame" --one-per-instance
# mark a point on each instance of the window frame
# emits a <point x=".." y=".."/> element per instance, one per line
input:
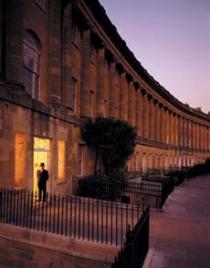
<point x="34" y="91"/>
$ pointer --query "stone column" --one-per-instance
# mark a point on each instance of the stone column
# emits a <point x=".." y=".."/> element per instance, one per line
<point x="14" y="43"/>
<point x="112" y="90"/>
<point x="173" y="129"/>
<point x="151" y="118"/>
<point x="156" y="106"/>
<point x="193" y="135"/>
<point x="67" y="99"/>
<point x="85" y="75"/>
<point x="54" y="62"/>
<point x="167" y="127"/>
<point x="190" y="134"/>
<point x="123" y="97"/>
<point x="100" y="96"/>
<point x="138" y="113"/>
<point x="145" y="115"/>
<point x="141" y="124"/>
<point x="198" y="136"/>
<point x="170" y="127"/>
<point x="177" y="131"/>
<point x="131" y="104"/>
<point x="163" y="125"/>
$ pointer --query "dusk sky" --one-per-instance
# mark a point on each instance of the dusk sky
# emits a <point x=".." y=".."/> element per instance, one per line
<point x="171" y="39"/>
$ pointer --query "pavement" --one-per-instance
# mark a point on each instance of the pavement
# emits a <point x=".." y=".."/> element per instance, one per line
<point x="180" y="232"/>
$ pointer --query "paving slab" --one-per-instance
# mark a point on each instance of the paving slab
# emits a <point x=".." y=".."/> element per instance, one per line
<point x="180" y="232"/>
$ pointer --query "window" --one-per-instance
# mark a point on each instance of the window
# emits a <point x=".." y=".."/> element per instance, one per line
<point x="91" y="103"/>
<point x="61" y="160"/>
<point x="74" y="94"/>
<point x="42" y="4"/>
<point x="80" y="159"/>
<point x="20" y="159"/>
<point x="76" y="34"/>
<point x="31" y="55"/>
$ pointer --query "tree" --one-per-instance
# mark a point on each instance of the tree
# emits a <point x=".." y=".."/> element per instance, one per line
<point x="112" y="139"/>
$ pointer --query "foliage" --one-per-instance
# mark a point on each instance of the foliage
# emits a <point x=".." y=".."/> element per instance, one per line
<point x="102" y="186"/>
<point x="112" y="139"/>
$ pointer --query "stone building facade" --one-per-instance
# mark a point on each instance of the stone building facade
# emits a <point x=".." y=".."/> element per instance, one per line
<point x="62" y="61"/>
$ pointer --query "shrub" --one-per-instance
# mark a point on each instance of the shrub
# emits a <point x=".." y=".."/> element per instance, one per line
<point x="112" y="139"/>
<point x="102" y="186"/>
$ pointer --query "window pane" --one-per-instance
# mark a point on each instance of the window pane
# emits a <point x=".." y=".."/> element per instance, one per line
<point x="31" y="64"/>
<point x="28" y="81"/>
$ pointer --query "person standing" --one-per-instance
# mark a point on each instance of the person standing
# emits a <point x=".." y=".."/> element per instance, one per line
<point x="43" y="176"/>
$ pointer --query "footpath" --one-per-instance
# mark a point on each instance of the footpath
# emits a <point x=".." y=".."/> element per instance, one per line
<point x="180" y="232"/>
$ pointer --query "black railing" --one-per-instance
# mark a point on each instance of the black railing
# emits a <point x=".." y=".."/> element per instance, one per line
<point x="146" y="192"/>
<point x="78" y="217"/>
<point x="136" y="245"/>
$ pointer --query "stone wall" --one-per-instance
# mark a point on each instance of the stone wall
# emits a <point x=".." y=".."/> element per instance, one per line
<point x="21" y="248"/>
<point x="84" y="72"/>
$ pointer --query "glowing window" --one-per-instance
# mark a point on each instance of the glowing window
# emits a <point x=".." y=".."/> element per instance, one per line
<point x="20" y="159"/>
<point x="61" y="160"/>
<point x="31" y="55"/>
<point x="41" y="144"/>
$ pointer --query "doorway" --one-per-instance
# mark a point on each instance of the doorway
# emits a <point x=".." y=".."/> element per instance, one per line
<point x="41" y="154"/>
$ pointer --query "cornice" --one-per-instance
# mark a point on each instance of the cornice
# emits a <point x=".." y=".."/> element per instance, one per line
<point x="110" y="30"/>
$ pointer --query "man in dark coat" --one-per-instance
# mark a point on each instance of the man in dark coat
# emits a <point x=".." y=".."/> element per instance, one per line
<point x="43" y="176"/>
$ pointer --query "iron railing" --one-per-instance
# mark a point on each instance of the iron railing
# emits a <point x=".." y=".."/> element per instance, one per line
<point x="147" y="192"/>
<point x="136" y="245"/>
<point x="81" y="218"/>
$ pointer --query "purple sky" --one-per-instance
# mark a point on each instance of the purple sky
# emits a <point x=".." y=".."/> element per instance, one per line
<point x="171" y="38"/>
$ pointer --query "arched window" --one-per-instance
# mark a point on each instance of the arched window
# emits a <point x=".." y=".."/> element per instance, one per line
<point x="31" y="55"/>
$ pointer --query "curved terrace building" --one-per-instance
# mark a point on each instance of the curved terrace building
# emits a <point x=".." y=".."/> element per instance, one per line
<point x="62" y="61"/>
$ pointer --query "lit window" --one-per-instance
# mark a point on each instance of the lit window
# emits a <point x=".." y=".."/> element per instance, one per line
<point x="74" y="94"/>
<point x="31" y="53"/>
<point x="20" y="159"/>
<point x="61" y="160"/>
<point x="42" y="4"/>
<point x="76" y="34"/>
<point x="80" y="159"/>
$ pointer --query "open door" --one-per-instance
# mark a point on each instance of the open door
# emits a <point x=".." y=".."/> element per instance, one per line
<point x="41" y="155"/>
